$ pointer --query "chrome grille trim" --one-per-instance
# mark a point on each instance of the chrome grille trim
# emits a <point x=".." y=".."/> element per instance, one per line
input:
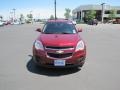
<point x="52" y="48"/>
<point x="59" y="49"/>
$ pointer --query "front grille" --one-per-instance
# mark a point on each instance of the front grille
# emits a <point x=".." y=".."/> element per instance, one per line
<point x="54" y="55"/>
<point x="53" y="47"/>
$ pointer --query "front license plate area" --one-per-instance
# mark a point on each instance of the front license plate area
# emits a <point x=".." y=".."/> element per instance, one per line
<point x="59" y="62"/>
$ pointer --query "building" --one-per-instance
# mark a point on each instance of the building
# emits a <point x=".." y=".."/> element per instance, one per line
<point x="102" y="11"/>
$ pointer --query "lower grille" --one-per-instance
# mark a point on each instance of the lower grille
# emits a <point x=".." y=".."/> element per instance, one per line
<point x="65" y="55"/>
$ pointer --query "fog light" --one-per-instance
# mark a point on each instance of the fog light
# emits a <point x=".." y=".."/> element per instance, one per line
<point x="81" y="59"/>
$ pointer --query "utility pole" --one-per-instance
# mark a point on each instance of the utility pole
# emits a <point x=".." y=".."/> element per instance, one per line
<point x="55" y="9"/>
<point x="102" y="13"/>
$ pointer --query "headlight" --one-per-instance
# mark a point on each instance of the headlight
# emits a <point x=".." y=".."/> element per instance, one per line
<point x="38" y="45"/>
<point x="80" y="46"/>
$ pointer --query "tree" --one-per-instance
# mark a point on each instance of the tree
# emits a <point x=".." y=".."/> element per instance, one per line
<point x="21" y="17"/>
<point x="112" y="14"/>
<point x="90" y="15"/>
<point x="1" y="17"/>
<point x="51" y="17"/>
<point x="67" y="13"/>
<point x="30" y="18"/>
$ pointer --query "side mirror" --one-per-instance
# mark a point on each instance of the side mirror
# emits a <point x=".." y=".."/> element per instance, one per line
<point x="74" y="22"/>
<point x="38" y="30"/>
<point x="79" y="30"/>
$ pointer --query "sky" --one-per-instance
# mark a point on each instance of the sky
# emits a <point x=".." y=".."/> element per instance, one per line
<point x="45" y="8"/>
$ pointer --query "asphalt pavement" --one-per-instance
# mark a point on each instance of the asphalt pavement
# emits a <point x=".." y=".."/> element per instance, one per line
<point x="100" y="72"/>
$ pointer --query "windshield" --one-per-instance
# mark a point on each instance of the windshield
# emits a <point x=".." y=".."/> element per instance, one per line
<point x="59" y="28"/>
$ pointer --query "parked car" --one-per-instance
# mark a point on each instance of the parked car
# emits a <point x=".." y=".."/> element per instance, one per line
<point x="15" y="23"/>
<point x="116" y="21"/>
<point x="7" y="22"/>
<point x="1" y="23"/>
<point x="59" y="45"/>
<point x="22" y="22"/>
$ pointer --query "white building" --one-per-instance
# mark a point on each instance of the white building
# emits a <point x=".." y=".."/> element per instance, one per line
<point x="79" y="12"/>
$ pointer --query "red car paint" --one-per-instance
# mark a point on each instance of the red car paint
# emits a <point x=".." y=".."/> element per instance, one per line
<point x="59" y="49"/>
<point x="59" y="40"/>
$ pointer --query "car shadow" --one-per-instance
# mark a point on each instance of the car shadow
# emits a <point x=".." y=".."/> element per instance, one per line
<point x="31" y="67"/>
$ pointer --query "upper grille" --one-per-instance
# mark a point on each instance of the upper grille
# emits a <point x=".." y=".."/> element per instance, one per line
<point x="53" y="47"/>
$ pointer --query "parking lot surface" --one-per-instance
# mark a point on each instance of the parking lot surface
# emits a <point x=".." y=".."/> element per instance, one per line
<point x="100" y="72"/>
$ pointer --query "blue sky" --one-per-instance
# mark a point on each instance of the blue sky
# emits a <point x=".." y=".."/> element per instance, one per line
<point x="44" y="8"/>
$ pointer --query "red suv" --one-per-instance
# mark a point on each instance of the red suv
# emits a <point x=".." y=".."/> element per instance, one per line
<point x="59" y="45"/>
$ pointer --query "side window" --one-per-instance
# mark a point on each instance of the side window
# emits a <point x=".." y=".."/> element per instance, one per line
<point x="44" y="28"/>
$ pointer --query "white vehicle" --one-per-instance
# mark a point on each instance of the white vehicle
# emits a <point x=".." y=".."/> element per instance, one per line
<point x="16" y="23"/>
<point x="22" y="22"/>
<point x="1" y="23"/>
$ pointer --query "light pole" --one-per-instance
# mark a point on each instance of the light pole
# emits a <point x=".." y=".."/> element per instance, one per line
<point x="55" y="9"/>
<point x="102" y="13"/>
<point x="11" y="16"/>
<point x="14" y="13"/>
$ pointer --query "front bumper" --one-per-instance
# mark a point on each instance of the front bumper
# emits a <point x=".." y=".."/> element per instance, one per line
<point x="50" y="63"/>
<point x="42" y="59"/>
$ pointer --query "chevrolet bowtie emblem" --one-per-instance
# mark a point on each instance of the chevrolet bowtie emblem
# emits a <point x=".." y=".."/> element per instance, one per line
<point x="60" y="52"/>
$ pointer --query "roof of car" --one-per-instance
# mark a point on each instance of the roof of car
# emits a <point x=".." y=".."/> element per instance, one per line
<point x="60" y="20"/>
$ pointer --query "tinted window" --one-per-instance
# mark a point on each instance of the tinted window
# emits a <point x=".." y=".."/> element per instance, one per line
<point x="59" y="28"/>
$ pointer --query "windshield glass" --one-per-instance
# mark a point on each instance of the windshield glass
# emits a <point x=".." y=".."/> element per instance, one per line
<point x="59" y="28"/>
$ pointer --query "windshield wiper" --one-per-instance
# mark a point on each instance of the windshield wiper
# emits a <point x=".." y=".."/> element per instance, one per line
<point x="57" y="33"/>
<point x="48" y="33"/>
<point x="65" y="33"/>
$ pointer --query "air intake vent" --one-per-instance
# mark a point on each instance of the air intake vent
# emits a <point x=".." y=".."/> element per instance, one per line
<point x="54" y="55"/>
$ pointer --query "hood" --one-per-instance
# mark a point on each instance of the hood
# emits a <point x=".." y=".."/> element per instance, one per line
<point x="59" y="39"/>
